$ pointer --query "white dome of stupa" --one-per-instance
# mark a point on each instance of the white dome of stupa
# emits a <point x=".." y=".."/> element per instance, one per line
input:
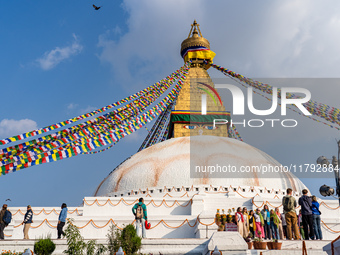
<point x="173" y="163"/>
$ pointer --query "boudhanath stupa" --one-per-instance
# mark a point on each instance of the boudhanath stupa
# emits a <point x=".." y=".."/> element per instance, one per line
<point x="181" y="196"/>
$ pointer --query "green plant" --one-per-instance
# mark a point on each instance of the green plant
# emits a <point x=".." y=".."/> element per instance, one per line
<point x="126" y="238"/>
<point x="44" y="246"/>
<point x="76" y="244"/>
<point x="258" y="239"/>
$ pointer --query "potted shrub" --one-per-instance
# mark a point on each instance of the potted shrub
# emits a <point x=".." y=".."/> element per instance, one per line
<point x="44" y="246"/>
<point x="258" y="242"/>
<point x="249" y="241"/>
<point x="274" y="245"/>
<point x="218" y="218"/>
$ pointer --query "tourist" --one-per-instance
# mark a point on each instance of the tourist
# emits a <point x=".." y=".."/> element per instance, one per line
<point x="284" y="225"/>
<point x="259" y="223"/>
<point x="274" y="224"/>
<point x="28" y="219"/>
<point x="4" y="214"/>
<point x="302" y="232"/>
<point x="246" y="220"/>
<point x="316" y="218"/>
<point x="266" y="217"/>
<point x="62" y="220"/>
<point x="289" y="205"/>
<point x="307" y="214"/>
<point x="252" y="223"/>
<point x="139" y="210"/>
<point x="280" y="224"/>
<point x="241" y="224"/>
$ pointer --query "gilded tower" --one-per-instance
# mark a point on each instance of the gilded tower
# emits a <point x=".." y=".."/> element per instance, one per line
<point x="190" y="117"/>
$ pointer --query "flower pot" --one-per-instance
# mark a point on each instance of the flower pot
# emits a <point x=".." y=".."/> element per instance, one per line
<point x="260" y="245"/>
<point x="276" y="246"/>
<point x="250" y="245"/>
<point x="269" y="245"/>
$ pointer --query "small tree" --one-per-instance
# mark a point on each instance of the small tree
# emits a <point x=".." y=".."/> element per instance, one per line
<point x="76" y="244"/>
<point x="44" y="246"/>
<point x="126" y="238"/>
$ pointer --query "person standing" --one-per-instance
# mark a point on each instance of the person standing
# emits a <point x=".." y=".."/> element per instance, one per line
<point x="28" y="219"/>
<point x="62" y="220"/>
<point x="5" y="218"/>
<point x="246" y="220"/>
<point x="280" y="224"/>
<point x="140" y="212"/>
<point x="284" y="225"/>
<point x="252" y="224"/>
<point x="307" y="215"/>
<point x="274" y="224"/>
<point x="289" y="205"/>
<point x="240" y="221"/>
<point x="302" y="232"/>
<point x="266" y="217"/>
<point x="316" y="218"/>
<point x="259" y="222"/>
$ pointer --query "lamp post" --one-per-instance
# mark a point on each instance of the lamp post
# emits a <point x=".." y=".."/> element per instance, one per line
<point x="323" y="161"/>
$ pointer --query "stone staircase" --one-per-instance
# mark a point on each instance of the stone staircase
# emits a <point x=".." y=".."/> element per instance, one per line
<point x="172" y="246"/>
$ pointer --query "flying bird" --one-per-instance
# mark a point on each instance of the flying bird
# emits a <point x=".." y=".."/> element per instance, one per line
<point x="8" y="199"/>
<point x="96" y="7"/>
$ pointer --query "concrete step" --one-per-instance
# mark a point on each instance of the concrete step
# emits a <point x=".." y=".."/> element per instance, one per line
<point x="174" y="246"/>
<point x="192" y="246"/>
<point x="295" y="248"/>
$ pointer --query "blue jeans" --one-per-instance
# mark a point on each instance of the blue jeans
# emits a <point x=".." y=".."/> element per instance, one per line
<point x="138" y="222"/>
<point x="275" y="230"/>
<point x="317" y="227"/>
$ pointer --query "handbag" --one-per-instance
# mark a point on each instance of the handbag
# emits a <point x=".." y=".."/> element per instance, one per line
<point x="147" y="225"/>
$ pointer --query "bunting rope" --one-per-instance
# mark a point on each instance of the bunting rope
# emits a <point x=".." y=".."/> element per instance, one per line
<point x="83" y="129"/>
<point x="83" y="116"/>
<point x="96" y="138"/>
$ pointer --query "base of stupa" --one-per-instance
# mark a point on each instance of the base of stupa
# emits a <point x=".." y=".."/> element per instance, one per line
<point x="172" y="246"/>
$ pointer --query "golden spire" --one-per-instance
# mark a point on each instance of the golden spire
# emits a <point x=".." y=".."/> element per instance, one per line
<point x="196" y="42"/>
<point x="196" y="26"/>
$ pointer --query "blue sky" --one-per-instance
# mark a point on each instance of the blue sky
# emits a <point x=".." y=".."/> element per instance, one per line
<point x="60" y="59"/>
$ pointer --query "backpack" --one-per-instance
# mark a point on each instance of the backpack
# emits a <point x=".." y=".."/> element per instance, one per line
<point x="288" y="204"/>
<point x="7" y="217"/>
<point x="139" y="212"/>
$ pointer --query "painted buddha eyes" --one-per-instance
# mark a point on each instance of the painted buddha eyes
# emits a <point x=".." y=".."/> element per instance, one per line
<point x="190" y="126"/>
<point x="210" y="127"/>
<point x="196" y="126"/>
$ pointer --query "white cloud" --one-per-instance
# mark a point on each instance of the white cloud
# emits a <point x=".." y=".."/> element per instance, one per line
<point x="293" y="38"/>
<point x="72" y="106"/>
<point x="52" y="58"/>
<point x="10" y="127"/>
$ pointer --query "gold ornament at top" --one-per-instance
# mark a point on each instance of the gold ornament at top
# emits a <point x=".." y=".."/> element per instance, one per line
<point x="195" y="39"/>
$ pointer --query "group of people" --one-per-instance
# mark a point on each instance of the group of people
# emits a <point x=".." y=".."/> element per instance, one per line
<point x="6" y="216"/>
<point x="265" y="223"/>
<point x="271" y="224"/>
<point x="139" y="211"/>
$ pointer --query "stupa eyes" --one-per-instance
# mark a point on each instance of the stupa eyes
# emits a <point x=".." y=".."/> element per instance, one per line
<point x="210" y="127"/>
<point x="190" y="126"/>
<point x="199" y="126"/>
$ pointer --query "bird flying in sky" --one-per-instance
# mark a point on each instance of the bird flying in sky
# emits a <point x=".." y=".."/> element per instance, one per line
<point x="96" y="7"/>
